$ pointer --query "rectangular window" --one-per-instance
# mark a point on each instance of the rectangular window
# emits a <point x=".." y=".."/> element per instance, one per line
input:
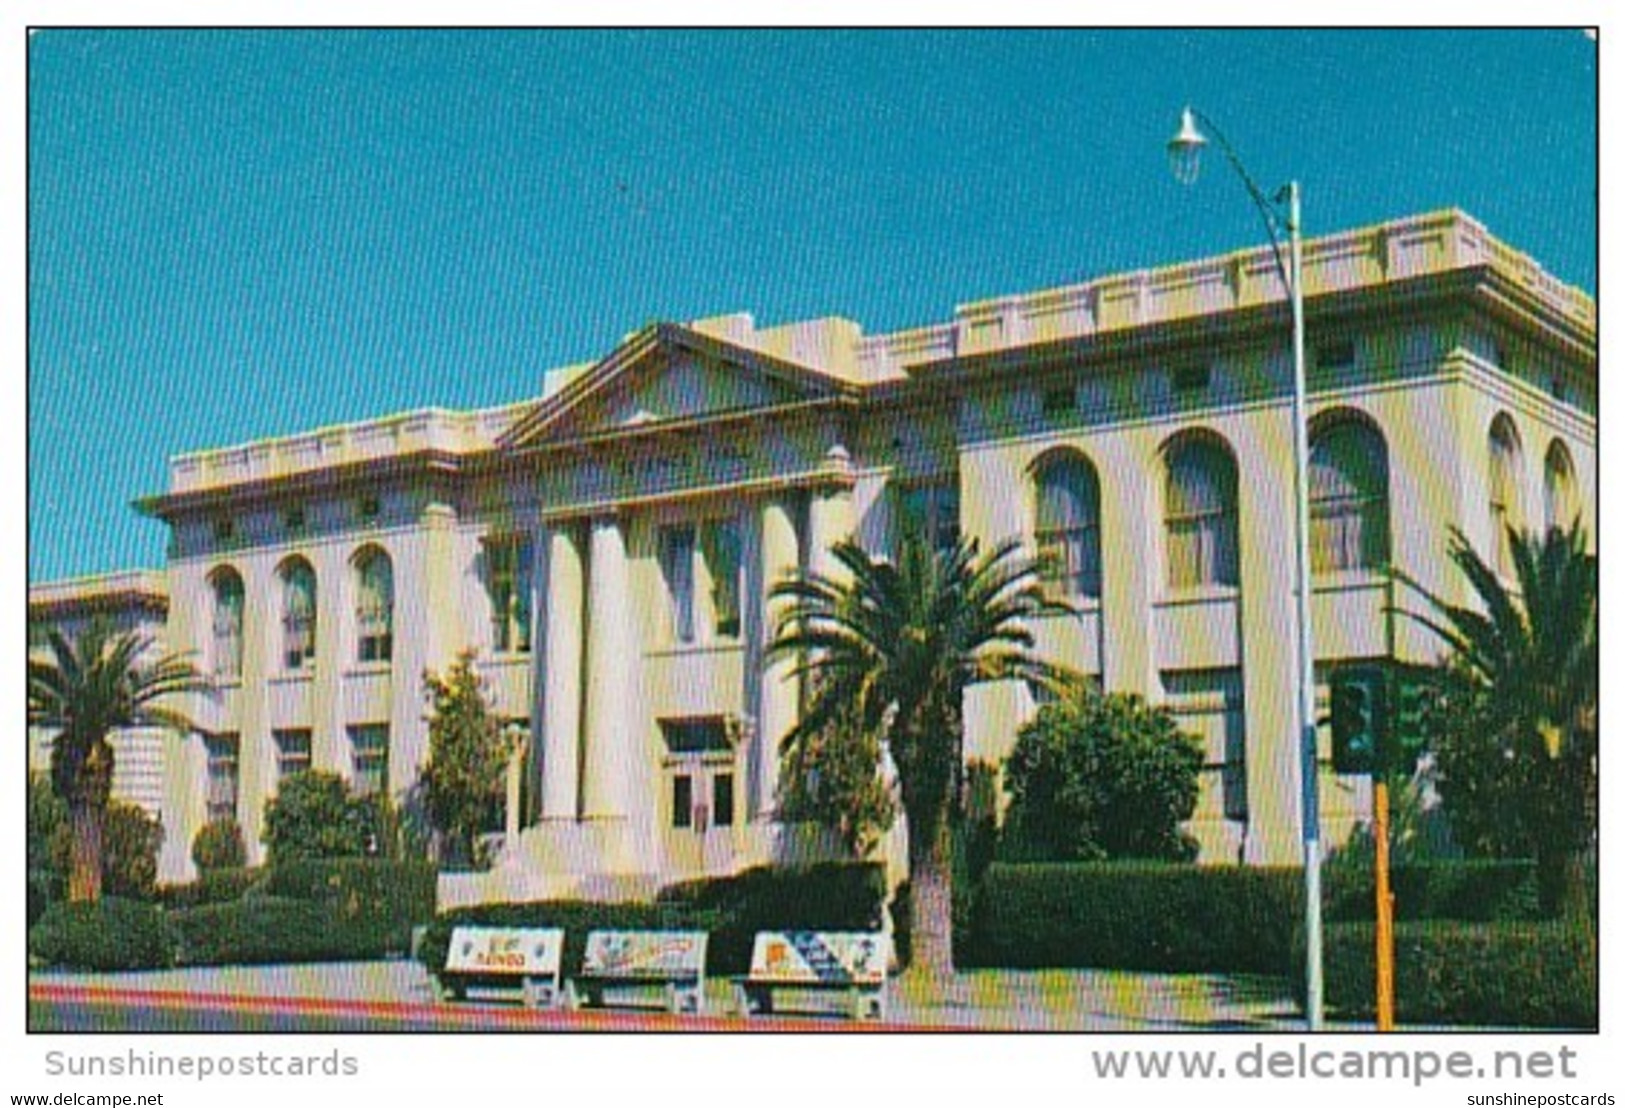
<point x="721" y="546"/>
<point x="1335" y="355"/>
<point x="369" y="751"/>
<point x="1191" y="378"/>
<point x="510" y="579"/>
<point x="292" y="752"/>
<point x="933" y="509"/>
<point x="1345" y="533"/>
<point x="677" y="565"/>
<point x="1060" y="400"/>
<point x="1071" y="565"/>
<point x="373" y="640"/>
<point x="722" y="799"/>
<point x="1201" y="550"/>
<point x="220" y="801"/>
<point x="682" y="800"/>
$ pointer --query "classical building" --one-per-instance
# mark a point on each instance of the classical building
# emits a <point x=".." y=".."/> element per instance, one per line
<point x="606" y="548"/>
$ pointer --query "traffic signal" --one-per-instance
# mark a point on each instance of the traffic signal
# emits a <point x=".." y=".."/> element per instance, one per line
<point x="1357" y="720"/>
<point x="1414" y="707"/>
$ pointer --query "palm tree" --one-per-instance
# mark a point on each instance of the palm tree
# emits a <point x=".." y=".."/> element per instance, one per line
<point x="89" y="689"/>
<point x="897" y="645"/>
<point x="1518" y="744"/>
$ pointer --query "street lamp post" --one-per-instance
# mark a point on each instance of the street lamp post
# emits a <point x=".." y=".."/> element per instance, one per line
<point x="1185" y="150"/>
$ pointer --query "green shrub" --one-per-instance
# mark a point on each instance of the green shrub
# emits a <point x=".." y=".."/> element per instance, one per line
<point x="43" y="889"/>
<point x="1136" y="915"/>
<point x="269" y="929"/>
<point x="107" y="934"/>
<point x="1101" y="776"/>
<point x="1483" y="890"/>
<point x="313" y="815"/>
<point x="219" y="845"/>
<point x="831" y="896"/>
<point x="48" y="846"/>
<point x="390" y="897"/>
<point x="213" y="886"/>
<point x="131" y="840"/>
<point x="1523" y="974"/>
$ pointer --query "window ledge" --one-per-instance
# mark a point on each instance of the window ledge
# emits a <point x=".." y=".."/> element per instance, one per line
<point x="292" y="677"/>
<point x="1350" y="580"/>
<point x="678" y="650"/>
<point x="368" y="669"/>
<point x="506" y="659"/>
<point x="1202" y="594"/>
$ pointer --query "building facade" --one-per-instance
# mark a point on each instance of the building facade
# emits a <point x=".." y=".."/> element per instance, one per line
<point x="607" y="548"/>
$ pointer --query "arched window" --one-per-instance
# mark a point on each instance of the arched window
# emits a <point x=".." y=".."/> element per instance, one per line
<point x="227" y="623"/>
<point x="298" y="614"/>
<point x="1506" y="512"/>
<point x="375" y="605"/>
<point x="1348" y="497"/>
<point x="1560" y="507"/>
<point x="1201" y="514"/>
<point x="1068" y="525"/>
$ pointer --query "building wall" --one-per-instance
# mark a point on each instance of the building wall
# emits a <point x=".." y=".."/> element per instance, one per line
<point x="673" y="432"/>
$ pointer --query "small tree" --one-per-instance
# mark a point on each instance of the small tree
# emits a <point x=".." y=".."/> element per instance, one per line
<point x="131" y="839"/>
<point x="218" y="844"/>
<point x="833" y="777"/>
<point x="463" y="784"/>
<point x="1097" y="776"/>
<point x="313" y="815"/>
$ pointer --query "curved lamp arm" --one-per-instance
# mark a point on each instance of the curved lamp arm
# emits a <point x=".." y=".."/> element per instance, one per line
<point x="1268" y="207"/>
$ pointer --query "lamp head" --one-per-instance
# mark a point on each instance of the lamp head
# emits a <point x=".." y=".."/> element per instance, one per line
<point x="1185" y="149"/>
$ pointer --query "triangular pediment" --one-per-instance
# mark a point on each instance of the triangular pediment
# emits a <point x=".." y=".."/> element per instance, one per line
<point x="664" y="375"/>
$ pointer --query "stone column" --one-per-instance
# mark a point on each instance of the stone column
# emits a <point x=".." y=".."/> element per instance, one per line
<point x="780" y="693"/>
<point x="561" y="670"/>
<point x="1130" y="475"/>
<point x="612" y="754"/>
<point x="1263" y="449"/>
<point x="832" y="518"/>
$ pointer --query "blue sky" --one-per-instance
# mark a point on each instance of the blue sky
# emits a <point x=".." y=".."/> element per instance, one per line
<point x="252" y="233"/>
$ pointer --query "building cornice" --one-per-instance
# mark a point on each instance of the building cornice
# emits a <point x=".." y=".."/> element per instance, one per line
<point x="423" y="463"/>
<point x="138" y="588"/>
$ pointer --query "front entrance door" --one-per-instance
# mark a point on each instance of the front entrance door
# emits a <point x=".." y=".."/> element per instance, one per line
<point x="701" y="796"/>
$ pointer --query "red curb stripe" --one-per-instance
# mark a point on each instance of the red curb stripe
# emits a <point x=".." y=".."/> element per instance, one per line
<point x="403" y="1011"/>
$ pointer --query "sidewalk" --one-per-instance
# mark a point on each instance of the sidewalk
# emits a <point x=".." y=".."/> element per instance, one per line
<point x="1037" y="1000"/>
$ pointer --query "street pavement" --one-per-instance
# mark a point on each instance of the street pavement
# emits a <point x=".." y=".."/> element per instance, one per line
<point x="398" y="995"/>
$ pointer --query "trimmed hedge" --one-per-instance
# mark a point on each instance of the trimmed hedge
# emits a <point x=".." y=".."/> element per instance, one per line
<point x="106" y="934"/>
<point x="219" y="886"/>
<point x="1478" y="890"/>
<point x="1523" y="974"/>
<point x="835" y="896"/>
<point x="269" y="929"/>
<point x="1136" y="916"/>
<point x="831" y="896"/>
<point x="385" y="897"/>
